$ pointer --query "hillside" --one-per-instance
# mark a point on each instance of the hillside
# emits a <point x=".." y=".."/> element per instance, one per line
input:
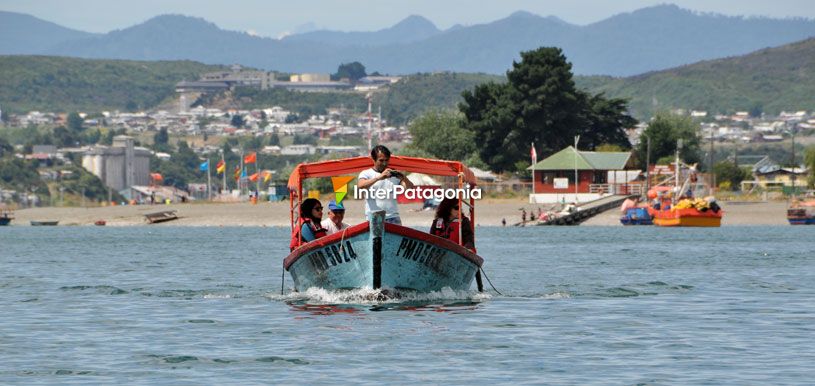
<point x="769" y="80"/>
<point x="68" y="84"/>
<point x="648" y="39"/>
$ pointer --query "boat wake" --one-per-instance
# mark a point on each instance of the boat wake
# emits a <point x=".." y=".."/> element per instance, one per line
<point x="320" y="300"/>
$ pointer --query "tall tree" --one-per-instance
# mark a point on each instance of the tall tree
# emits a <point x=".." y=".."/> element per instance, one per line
<point x="539" y="104"/>
<point x="439" y="134"/>
<point x="665" y="130"/>
<point x="354" y="71"/>
<point x="75" y="123"/>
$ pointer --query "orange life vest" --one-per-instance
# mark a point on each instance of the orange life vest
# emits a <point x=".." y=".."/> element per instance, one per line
<point x="296" y="236"/>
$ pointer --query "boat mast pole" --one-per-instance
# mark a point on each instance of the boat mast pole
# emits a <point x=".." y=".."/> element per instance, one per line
<point x="676" y="174"/>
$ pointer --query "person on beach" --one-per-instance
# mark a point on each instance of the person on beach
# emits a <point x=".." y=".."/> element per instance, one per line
<point x="447" y="224"/>
<point x="382" y="178"/>
<point x="309" y="227"/>
<point x="334" y="224"/>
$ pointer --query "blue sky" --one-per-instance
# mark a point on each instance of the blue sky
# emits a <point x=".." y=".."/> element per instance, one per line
<point x="274" y="18"/>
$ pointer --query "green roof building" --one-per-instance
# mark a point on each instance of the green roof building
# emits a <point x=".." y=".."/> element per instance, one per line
<point x="598" y="174"/>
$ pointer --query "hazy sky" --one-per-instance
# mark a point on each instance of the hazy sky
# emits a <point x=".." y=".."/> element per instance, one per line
<point x="275" y="18"/>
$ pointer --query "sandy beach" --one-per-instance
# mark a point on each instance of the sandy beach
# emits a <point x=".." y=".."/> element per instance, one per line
<point x="489" y="212"/>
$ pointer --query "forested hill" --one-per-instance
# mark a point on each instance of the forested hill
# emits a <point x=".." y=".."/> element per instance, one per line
<point x="769" y="80"/>
<point x="68" y="84"/>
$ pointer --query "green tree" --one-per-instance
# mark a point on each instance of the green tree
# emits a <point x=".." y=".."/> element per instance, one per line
<point x="809" y="159"/>
<point x="161" y="141"/>
<point x="354" y="71"/>
<point x="274" y="140"/>
<point x="305" y="139"/>
<point x="75" y="123"/>
<point x="729" y="172"/>
<point x="665" y="130"/>
<point x="5" y="148"/>
<point x="237" y="121"/>
<point x="439" y="134"/>
<point x="539" y="104"/>
<point x="64" y="137"/>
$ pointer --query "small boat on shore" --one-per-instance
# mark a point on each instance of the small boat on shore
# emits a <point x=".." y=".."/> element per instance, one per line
<point x="100" y="223"/>
<point x="375" y="254"/>
<point x="5" y="217"/>
<point x="162" y="216"/>
<point x="36" y="223"/>
<point x="801" y="213"/>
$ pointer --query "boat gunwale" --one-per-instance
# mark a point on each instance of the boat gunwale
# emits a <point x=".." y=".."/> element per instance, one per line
<point x="389" y="228"/>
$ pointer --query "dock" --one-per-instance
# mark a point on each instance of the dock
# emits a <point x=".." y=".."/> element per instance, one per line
<point x="162" y="216"/>
<point x="589" y="210"/>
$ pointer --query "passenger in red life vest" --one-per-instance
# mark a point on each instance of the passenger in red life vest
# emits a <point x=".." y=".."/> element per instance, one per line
<point x="311" y="212"/>
<point x="446" y="224"/>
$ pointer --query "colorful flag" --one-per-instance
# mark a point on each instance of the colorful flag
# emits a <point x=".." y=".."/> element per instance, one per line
<point x="238" y="173"/>
<point x="534" y="154"/>
<point x="267" y="175"/>
<point x="204" y="166"/>
<point x="253" y="177"/>
<point x="250" y="158"/>
<point x="220" y="167"/>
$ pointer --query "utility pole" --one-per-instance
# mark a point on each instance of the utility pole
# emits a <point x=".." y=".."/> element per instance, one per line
<point x="793" y="158"/>
<point x="712" y="175"/>
<point x="647" y="164"/>
<point x="576" y="177"/>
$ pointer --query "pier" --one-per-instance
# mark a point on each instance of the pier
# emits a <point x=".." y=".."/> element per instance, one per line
<point x="588" y="210"/>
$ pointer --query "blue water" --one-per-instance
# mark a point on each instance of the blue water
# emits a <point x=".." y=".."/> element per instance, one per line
<point x="580" y="305"/>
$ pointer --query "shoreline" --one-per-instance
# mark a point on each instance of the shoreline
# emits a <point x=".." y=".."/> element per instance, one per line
<point x="489" y="212"/>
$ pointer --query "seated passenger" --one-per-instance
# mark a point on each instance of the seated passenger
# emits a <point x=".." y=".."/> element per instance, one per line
<point x="309" y="229"/>
<point x="446" y="224"/>
<point x="334" y="224"/>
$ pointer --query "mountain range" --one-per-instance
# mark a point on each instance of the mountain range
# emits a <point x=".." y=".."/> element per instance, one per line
<point x="627" y="44"/>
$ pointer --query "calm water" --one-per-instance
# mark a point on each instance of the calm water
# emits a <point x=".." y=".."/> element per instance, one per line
<point x="580" y="305"/>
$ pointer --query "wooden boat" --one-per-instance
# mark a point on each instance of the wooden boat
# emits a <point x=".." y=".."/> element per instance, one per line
<point x="162" y="216"/>
<point x="375" y="254"/>
<point x="5" y="217"/>
<point x="676" y="207"/>
<point x="636" y="216"/>
<point x="100" y="222"/>
<point x="801" y="213"/>
<point x="44" y="223"/>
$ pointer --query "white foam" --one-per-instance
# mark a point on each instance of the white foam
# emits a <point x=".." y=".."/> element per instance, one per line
<point x="369" y="296"/>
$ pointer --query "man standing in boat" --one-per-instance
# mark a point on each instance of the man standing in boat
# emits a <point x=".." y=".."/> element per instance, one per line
<point x="382" y="178"/>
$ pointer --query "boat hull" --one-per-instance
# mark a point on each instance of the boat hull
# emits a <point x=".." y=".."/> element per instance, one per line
<point x="43" y="223"/>
<point x="407" y="260"/>
<point x="636" y="216"/>
<point x="4" y="221"/>
<point x="801" y="216"/>
<point x="687" y="218"/>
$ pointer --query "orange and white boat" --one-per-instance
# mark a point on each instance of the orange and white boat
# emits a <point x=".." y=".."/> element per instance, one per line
<point x="676" y="207"/>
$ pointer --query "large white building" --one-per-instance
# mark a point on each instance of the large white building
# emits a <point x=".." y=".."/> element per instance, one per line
<point x="119" y="166"/>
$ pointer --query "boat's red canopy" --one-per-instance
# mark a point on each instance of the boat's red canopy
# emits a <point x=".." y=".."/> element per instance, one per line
<point x="355" y="165"/>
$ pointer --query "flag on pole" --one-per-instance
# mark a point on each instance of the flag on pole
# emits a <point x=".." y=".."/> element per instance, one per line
<point x="237" y="173"/>
<point x="204" y="166"/>
<point x="250" y="158"/>
<point x="254" y="177"/>
<point x="267" y="175"/>
<point x="220" y="167"/>
<point x="534" y="154"/>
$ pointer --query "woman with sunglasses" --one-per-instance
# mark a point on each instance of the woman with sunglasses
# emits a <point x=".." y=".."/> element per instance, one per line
<point x="447" y="224"/>
<point x="311" y="213"/>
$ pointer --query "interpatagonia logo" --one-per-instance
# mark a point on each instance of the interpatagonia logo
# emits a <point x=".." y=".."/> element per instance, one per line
<point x="340" y="187"/>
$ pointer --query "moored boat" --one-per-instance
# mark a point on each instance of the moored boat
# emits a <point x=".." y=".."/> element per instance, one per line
<point x="801" y="213"/>
<point x="375" y="254"/>
<point x="36" y="223"/>
<point x="6" y="216"/>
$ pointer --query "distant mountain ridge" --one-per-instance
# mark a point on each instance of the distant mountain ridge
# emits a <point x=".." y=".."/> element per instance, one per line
<point x="648" y="39"/>
<point x="25" y="34"/>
